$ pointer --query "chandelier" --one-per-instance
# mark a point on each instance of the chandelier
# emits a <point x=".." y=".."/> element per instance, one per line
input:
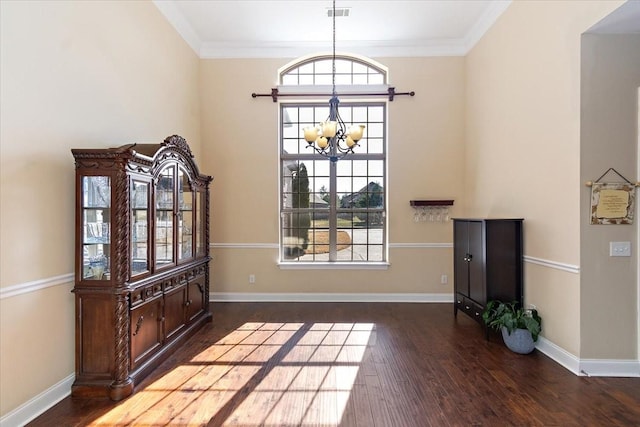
<point x="331" y="138"/>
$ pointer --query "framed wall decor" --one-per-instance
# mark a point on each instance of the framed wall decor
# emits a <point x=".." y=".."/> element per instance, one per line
<point x="612" y="202"/>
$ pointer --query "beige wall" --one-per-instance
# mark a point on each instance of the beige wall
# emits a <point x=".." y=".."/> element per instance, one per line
<point x="240" y="146"/>
<point x="523" y="146"/>
<point x="609" y="138"/>
<point x="74" y="74"/>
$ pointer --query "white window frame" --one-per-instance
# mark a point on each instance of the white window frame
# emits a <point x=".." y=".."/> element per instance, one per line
<point x="350" y="98"/>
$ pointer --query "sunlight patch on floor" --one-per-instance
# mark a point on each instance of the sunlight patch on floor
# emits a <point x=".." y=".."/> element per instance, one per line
<point x="274" y="374"/>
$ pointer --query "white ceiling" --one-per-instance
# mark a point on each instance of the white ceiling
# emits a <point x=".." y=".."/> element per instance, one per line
<point x="292" y="28"/>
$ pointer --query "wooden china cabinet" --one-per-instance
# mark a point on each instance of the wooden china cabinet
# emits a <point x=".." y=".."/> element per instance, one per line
<point x="142" y="261"/>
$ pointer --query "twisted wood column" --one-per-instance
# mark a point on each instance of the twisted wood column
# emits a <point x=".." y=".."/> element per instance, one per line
<point x="122" y="385"/>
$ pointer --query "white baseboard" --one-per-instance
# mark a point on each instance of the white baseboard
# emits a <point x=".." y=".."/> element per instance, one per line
<point x="559" y="355"/>
<point x="327" y="297"/>
<point x="38" y="404"/>
<point x="610" y="368"/>
<point x="589" y="367"/>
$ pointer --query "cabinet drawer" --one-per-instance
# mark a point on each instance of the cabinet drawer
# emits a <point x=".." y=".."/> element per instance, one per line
<point x="476" y="312"/>
<point x="137" y="297"/>
<point x="469" y="306"/>
<point x="146" y="293"/>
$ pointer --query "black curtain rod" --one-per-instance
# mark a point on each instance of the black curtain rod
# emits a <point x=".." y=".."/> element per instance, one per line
<point x="391" y="93"/>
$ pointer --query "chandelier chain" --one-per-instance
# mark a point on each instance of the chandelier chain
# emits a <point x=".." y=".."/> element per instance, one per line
<point x="331" y="138"/>
<point x="334" y="49"/>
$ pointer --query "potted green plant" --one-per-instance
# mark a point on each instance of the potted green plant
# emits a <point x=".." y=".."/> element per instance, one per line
<point x="520" y="327"/>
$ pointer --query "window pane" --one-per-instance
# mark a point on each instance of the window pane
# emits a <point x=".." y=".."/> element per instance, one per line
<point x="306" y="115"/>
<point x="324" y="66"/>
<point x="344" y="168"/>
<point x="291" y="132"/>
<point x="376" y="167"/>
<point x="345" y="113"/>
<point x="360" y="115"/>
<point x="305" y="80"/>
<point x="360" y="167"/>
<point x="289" y="79"/>
<point x="324" y="79"/>
<point x="375" y="146"/>
<point x="290" y="146"/>
<point x="321" y="168"/>
<point x="345" y="185"/>
<point x="360" y="79"/>
<point x="343" y="66"/>
<point x="291" y="114"/>
<point x="343" y="79"/>
<point x="376" y="114"/>
<point x="375" y="130"/>
<point x="376" y="79"/>
<point x="359" y="68"/>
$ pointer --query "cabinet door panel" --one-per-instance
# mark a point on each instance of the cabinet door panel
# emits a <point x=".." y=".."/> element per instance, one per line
<point x="196" y="297"/>
<point x="476" y="265"/>
<point x="174" y="311"/>
<point x="146" y="330"/>
<point x="95" y="341"/>
<point x="460" y="265"/>
<point x="504" y="260"/>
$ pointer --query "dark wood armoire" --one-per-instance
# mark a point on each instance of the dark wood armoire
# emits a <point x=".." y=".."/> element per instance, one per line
<point x="487" y="264"/>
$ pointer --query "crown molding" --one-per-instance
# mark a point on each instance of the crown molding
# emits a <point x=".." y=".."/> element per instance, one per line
<point x="486" y="21"/>
<point x="444" y="47"/>
<point x="371" y="48"/>
<point x="179" y="23"/>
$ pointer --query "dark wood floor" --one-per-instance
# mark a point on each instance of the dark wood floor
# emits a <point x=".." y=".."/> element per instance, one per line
<point x="355" y="364"/>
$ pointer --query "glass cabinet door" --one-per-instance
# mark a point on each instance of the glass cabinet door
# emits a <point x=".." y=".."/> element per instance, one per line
<point x="164" y="217"/>
<point x="185" y="216"/>
<point x="96" y="237"/>
<point x="200" y="217"/>
<point x="139" y="227"/>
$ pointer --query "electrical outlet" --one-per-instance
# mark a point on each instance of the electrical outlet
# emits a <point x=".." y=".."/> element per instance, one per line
<point x="619" y="248"/>
<point x="444" y="279"/>
<point x="252" y="278"/>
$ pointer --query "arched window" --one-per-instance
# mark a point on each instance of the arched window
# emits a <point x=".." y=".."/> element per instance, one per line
<point x="317" y="70"/>
<point x="332" y="212"/>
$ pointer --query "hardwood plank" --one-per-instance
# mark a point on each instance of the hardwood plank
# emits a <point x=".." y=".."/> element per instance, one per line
<point x="355" y="364"/>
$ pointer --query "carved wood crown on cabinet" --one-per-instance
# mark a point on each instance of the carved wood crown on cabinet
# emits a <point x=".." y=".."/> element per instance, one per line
<point x="142" y="261"/>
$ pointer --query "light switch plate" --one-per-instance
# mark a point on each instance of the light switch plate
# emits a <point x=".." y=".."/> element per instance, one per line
<point x="619" y="248"/>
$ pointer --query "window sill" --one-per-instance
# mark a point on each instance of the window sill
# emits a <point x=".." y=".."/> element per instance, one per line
<point x="283" y="265"/>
